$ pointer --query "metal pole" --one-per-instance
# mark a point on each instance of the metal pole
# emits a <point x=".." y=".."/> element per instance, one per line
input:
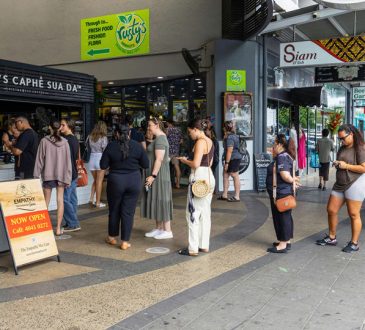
<point x="315" y="130"/>
<point x="264" y="94"/>
<point x="307" y="139"/>
<point x="355" y="22"/>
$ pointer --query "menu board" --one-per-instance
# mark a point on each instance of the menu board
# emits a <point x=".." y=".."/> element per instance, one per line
<point x="27" y="222"/>
<point x="262" y="161"/>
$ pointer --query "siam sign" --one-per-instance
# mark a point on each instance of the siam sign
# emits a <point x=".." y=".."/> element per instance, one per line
<point x="323" y="52"/>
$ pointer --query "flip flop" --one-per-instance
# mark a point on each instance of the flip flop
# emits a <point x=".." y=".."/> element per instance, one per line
<point x="221" y="198"/>
<point x="233" y="199"/>
<point x="186" y="252"/>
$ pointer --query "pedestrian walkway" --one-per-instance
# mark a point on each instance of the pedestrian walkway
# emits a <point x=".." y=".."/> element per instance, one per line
<point x="238" y="285"/>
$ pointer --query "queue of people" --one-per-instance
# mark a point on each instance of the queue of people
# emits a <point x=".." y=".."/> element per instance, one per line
<point x="139" y="169"/>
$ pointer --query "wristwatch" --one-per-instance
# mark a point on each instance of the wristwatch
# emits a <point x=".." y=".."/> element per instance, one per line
<point x="154" y="176"/>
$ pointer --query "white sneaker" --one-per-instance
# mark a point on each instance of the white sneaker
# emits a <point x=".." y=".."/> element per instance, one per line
<point x="164" y="235"/>
<point x="153" y="233"/>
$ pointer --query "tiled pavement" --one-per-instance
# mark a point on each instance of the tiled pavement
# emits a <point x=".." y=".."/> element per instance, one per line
<point x="236" y="286"/>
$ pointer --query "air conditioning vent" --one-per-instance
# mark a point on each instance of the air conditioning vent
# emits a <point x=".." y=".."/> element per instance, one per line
<point x="243" y="19"/>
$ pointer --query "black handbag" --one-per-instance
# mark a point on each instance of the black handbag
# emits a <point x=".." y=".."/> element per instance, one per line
<point x="87" y="151"/>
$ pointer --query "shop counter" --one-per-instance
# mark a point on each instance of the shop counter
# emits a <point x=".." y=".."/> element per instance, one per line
<point x="83" y="193"/>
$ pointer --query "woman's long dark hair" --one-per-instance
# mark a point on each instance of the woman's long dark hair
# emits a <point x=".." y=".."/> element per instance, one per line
<point x="198" y="124"/>
<point x="123" y="140"/>
<point x="358" y="138"/>
<point x="56" y="135"/>
<point x="288" y="145"/>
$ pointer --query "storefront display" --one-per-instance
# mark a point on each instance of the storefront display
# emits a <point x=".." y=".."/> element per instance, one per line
<point x="43" y="94"/>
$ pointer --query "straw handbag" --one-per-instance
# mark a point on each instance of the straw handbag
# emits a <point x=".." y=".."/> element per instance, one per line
<point x="288" y="202"/>
<point x="201" y="188"/>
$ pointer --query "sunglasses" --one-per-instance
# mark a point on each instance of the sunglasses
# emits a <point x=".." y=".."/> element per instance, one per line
<point x="343" y="138"/>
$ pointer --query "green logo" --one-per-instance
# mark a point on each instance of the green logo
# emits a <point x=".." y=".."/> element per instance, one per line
<point x="131" y="32"/>
<point x="236" y="78"/>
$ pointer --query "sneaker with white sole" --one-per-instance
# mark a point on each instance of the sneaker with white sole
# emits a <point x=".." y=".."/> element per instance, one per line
<point x="153" y="233"/>
<point x="351" y="247"/>
<point x="101" y="205"/>
<point x="327" y="240"/>
<point x="164" y="235"/>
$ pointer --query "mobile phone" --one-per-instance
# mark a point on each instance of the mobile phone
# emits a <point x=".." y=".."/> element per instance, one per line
<point x="147" y="188"/>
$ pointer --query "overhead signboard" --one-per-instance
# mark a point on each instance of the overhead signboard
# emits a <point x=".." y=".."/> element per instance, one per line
<point x="236" y="81"/>
<point x="23" y="80"/>
<point x="358" y="93"/>
<point x="124" y="34"/>
<point x="329" y="74"/>
<point x="27" y="221"/>
<point x="323" y="52"/>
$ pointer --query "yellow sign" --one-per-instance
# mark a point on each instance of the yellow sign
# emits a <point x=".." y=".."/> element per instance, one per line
<point x="124" y="34"/>
<point x="27" y="221"/>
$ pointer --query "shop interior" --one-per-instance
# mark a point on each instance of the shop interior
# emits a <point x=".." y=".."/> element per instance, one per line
<point x="40" y="115"/>
<point x="311" y="110"/>
<point x="177" y="99"/>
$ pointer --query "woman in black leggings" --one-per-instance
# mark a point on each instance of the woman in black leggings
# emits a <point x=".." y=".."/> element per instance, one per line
<point x="124" y="158"/>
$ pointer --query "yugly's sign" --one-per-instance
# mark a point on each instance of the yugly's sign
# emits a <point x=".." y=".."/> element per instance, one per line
<point x="123" y="34"/>
<point x="19" y="81"/>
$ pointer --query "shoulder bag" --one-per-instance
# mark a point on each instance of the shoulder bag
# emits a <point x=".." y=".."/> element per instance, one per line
<point x="82" y="178"/>
<point x="87" y="151"/>
<point x="201" y="188"/>
<point x="288" y="202"/>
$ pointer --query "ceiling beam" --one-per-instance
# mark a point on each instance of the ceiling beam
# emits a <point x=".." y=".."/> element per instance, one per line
<point x="303" y="19"/>
<point x="299" y="33"/>
<point x="337" y="26"/>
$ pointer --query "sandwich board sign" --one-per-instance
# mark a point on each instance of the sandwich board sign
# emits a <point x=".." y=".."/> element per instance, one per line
<point x="27" y="223"/>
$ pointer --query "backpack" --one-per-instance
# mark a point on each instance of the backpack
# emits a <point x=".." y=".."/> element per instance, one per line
<point x="242" y="146"/>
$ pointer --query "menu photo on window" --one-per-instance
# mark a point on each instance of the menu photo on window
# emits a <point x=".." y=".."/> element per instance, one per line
<point x="237" y="107"/>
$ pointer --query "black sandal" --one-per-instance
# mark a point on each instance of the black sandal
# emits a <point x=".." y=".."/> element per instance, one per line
<point x="186" y="252"/>
<point x="221" y="198"/>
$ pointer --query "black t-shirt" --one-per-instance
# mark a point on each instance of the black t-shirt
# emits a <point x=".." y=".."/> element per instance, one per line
<point x="283" y="163"/>
<point x="28" y="144"/>
<point x="112" y="158"/>
<point x="74" y="149"/>
<point x="137" y="135"/>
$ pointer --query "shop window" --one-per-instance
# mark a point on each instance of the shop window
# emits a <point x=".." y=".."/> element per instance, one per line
<point x="158" y="100"/>
<point x="200" y="97"/>
<point x="135" y="104"/>
<point x="110" y="105"/>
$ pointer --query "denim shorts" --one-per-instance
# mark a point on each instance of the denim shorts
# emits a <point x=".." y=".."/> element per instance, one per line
<point x="356" y="192"/>
<point x="52" y="184"/>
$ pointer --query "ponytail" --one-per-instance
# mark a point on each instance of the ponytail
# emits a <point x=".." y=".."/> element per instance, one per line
<point x="123" y="140"/>
<point x="55" y="126"/>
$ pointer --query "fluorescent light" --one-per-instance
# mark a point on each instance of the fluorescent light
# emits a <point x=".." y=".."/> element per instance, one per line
<point x="160" y="77"/>
<point x="110" y="82"/>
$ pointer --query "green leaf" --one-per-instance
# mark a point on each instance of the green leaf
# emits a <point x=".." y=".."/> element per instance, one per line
<point x="129" y="18"/>
<point x="123" y="19"/>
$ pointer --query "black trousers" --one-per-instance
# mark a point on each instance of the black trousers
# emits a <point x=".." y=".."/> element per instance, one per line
<point x="283" y="222"/>
<point x="122" y="191"/>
